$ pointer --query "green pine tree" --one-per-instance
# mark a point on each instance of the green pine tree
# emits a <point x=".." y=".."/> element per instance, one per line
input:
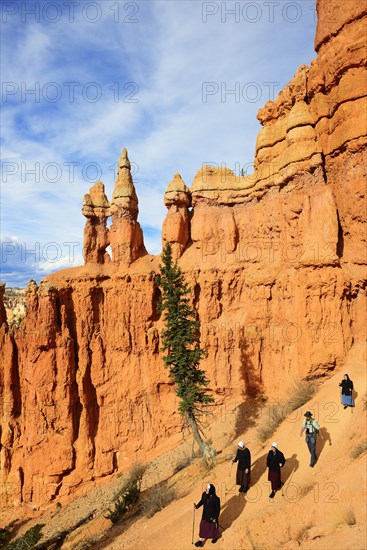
<point x="181" y="344"/>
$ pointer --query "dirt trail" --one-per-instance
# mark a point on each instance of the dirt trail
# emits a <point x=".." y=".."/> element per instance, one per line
<point x="255" y="521"/>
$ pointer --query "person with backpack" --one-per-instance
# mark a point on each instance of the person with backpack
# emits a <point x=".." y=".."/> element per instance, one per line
<point x="243" y="457"/>
<point x="311" y="427"/>
<point x="209" y="525"/>
<point x="347" y="392"/>
<point x="275" y="460"/>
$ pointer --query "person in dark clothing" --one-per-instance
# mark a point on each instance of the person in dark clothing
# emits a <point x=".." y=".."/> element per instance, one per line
<point x="275" y="460"/>
<point x="243" y="457"/>
<point x="347" y="392"/>
<point x="210" y="517"/>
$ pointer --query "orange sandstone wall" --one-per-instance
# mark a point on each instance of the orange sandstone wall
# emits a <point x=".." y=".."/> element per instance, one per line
<point x="277" y="266"/>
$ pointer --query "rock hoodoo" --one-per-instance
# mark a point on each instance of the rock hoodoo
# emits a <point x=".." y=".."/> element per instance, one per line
<point x="176" y="226"/>
<point x="126" y="236"/>
<point x="96" y="239"/>
<point x="277" y="266"/>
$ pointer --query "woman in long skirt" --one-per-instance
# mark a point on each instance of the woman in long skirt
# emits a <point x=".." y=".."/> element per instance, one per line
<point x="347" y="392"/>
<point x="275" y="460"/>
<point x="210" y="517"/>
<point x="243" y="458"/>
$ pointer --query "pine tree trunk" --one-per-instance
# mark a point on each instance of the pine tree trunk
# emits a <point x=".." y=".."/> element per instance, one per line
<point x="206" y="450"/>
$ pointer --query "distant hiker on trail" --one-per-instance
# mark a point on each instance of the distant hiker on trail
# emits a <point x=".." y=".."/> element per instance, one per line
<point x="311" y="426"/>
<point x="274" y="462"/>
<point x="209" y="526"/>
<point x="347" y="392"/>
<point x="243" y="457"/>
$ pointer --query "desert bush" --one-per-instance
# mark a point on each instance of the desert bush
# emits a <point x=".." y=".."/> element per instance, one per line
<point x="123" y="503"/>
<point x="159" y="498"/>
<point x="181" y="464"/>
<point x="128" y="493"/>
<point x="28" y="540"/>
<point x="277" y="414"/>
<point x="299" y="395"/>
<point x="5" y="536"/>
<point x="359" y="450"/>
<point x="349" y="516"/>
<point x="17" y="320"/>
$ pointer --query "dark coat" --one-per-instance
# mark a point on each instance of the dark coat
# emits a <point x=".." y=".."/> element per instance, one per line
<point x="243" y="457"/>
<point x="274" y="459"/>
<point x="346" y="386"/>
<point x="211" y="504"/>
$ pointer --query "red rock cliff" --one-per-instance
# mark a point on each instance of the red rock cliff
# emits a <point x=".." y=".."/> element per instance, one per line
<point x="277" y="266"/>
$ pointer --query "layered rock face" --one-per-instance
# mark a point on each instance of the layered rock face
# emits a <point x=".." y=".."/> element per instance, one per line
<point x="276" y="262"/>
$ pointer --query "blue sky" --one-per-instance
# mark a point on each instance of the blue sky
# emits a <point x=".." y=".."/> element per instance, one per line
<point x="81" y="80"/>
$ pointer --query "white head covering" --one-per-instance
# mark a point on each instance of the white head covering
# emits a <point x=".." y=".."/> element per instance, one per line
<point x="208" y="486"/>
<point x="241" y="444"/>
<point x="275" y="445"/>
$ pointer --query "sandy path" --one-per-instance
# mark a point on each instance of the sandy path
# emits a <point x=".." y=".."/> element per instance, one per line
<point x="172" y="528"/>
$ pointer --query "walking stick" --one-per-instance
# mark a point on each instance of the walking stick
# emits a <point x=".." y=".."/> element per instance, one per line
<point x="193" y="528"/>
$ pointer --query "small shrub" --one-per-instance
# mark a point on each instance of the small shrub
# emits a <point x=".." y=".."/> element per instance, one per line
<point x="276" y="416"/>
<point x="349" y="516"/>
<point x="124" y="503"/>
<point x="128" y="493"/>
<point x="359" y="450"/>
<point x="181" y="464"/>
<point x="28" y="540"/>
<point x="5" y="536"/>
<point x="158" y="499"/>
<point x="301" y="393"/>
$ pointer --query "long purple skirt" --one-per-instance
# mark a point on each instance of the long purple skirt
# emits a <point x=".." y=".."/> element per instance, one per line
<point x="208" y="530"/>
<point x="274" y="478"/>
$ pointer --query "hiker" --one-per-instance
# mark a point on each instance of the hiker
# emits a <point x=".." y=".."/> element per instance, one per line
<point x="347" y="392"/>
<point x="243" y="457"/>
<point x="209" y="526"/>
<point x="311" y="426"/>
<point x="275" y="460"/>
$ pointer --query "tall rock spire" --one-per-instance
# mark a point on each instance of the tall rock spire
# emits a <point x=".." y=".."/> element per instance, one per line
<point x="176" y="226"/>
<point x="126" y="235"/>
<point x="124" y="193"/>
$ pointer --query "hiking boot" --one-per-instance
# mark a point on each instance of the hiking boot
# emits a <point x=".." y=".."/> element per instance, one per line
<point x="199" y="543"/>
<point x="214" y="541"/>
<point x="345" y="407"/>
<point x="246" y="489"/>
<point x="272" y="494"/>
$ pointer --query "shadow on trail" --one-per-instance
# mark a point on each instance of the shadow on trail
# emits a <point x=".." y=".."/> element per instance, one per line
<point x="323" y="437"/>
<point x="258" y="468"/>
<point x="290" y="467"/>
<point x="231" y="510"/>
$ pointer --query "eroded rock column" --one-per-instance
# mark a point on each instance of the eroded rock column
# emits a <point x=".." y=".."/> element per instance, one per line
<point x="176" y="226"/>
<point x="96" y="238"/>
<point x="126" y="235"/>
